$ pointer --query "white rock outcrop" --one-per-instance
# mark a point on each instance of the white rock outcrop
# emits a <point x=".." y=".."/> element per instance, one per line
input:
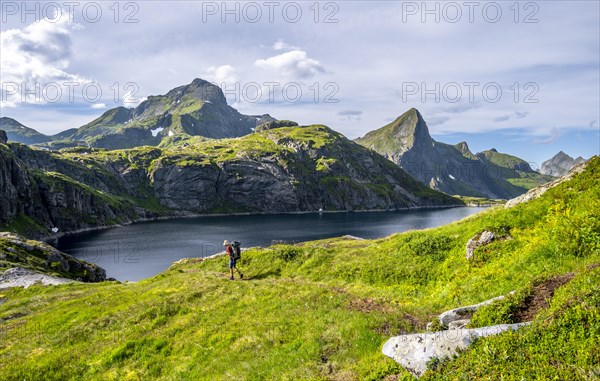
<point x="463" y="313"/>
<point x="485" y="238"/>
<point x="20" y="277"/>
<point x="414" y="351"/>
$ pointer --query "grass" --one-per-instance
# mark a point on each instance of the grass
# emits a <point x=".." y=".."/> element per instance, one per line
<point x="322" y="310"/>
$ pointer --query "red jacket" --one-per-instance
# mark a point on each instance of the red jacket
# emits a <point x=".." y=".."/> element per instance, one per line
<point x="229" y="251"/>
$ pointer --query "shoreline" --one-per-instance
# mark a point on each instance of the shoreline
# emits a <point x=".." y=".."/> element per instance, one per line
<point x="54" y="237"/>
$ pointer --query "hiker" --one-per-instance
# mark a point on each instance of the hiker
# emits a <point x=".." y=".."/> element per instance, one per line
<point x="234" y="255"/>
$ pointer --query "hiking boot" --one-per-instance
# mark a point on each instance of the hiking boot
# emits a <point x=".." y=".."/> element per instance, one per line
<point x="241" y="276"/>
<point x="230" y="278"/>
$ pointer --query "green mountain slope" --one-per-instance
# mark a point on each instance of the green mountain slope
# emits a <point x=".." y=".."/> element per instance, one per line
<point x="19" y="133"/>
<point x="452" y="169"/>
<point x="322" y="310"/>
<point x="290" y="169"/>
<point x="199" y="108"/>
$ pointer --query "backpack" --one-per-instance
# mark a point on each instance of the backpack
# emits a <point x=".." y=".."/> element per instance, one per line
<point x="237" y="251"/>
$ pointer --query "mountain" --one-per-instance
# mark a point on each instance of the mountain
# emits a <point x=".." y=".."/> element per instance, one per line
<point x="285" y="169"/>
<point x="199" y="108"/>
<point x="19" y="133"/>
<point x="560" y="164"/>
<point x="452" y="169"/>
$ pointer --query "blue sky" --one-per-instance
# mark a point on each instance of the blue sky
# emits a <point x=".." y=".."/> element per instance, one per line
<point x="523" y="79"/>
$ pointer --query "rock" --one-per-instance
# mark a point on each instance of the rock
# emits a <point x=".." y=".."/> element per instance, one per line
<point x="482" y="239"/>
<point x="3" y="137"/>
<point x="458" y="324"/>
<point x="461" y="313"/>
<point x="414" y="351"/>
<point x="20" y="277"/>
<point x="40" y="257"/>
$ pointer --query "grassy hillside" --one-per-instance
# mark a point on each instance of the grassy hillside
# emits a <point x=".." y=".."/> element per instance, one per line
<point x="322" y="310"/>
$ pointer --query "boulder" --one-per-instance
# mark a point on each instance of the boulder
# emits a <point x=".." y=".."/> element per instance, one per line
<point x="414" y="351"/>
<point x="485" y="238"/>
<point x="20" y="277"/>
<point x="41" y="258"/>
<point x="464" y="313"/>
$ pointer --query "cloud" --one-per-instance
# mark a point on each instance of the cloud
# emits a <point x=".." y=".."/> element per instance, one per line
<point x="516" y="115"/>
<point x="457" y="109"/>
<point x="555" y="133"/>
<point x="222" y="74"/>
<point x="593" y="123"/>
<point x="502" y="118"/>
<point x="36" y="56"/>
<point x="130" y="100"/>
<point x="294" y="64"/>
<point x="98" y="106"/>
<point x="436" y="121"/>
<point x="521" y="115"/>
<point x="281" y="45"/>
<point x="351" y="114"/>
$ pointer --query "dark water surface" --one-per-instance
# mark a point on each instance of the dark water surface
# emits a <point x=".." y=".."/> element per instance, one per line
<point x="143" y="250"/>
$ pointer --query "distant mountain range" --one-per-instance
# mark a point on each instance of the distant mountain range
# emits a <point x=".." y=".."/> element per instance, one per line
<point x="199" y="109"/>
<point x="452" y="169"/>
<point x="560" y="164"/>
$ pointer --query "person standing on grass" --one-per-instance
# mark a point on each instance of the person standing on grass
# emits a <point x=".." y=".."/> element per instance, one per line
<point x="232" y="260"/>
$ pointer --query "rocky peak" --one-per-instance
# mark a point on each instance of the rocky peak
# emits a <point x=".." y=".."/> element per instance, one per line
<point x="412" y="127"/>
<point x="3" y="137"/>
<point x="560" y="164"/>
<point x="463" y="147"/>
<point x="199" y="89"/>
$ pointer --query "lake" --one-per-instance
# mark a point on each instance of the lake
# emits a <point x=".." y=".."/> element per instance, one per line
<point x="145" y="249"/>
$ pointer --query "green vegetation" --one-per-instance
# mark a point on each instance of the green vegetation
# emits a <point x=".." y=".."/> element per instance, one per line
<point x="322" y="310"/>
<point x="561" y="344"/>
<point x="479" y="201"/>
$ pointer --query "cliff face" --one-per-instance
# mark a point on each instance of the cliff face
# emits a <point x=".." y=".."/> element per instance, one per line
<point x="452" y="169"/>
<point x="41" y="192"/>
<point x="290" y="169"/>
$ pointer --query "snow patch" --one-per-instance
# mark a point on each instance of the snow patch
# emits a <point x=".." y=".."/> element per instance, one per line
<point x="452" y="177"/>
<point x="156" y="131"/>
<point x="171" y="133"/>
